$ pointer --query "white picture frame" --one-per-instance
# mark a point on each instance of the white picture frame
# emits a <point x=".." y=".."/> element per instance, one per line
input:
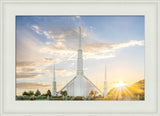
<point x="149" y="8"/>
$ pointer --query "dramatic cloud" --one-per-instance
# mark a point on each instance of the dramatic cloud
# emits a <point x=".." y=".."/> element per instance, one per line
<point x="27" y="85"/>
<point x="107" y="50"/>
<point x="66" y="42"/>
<point x="34" y="55"/>
<point x="33" y="66"/>
<point x="62" y="72"/>
<point x="28" y="75"/>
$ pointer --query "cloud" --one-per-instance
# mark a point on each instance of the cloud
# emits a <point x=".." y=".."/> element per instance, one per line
<point x="28" y="85"/>
<point x="60" y="45"/>
<point x="94" y="50"/>
<point x="35" y="27"/>
<point x="33" y="66"/>
<point x="39" y="31"/>
<point x="128" y="44"/>
<point x="42" y="87"/>
<point x="66" y="42"/>
<point x="28" y="75"/>
<point x="62" y="72"/>
<point x="106" y="50"/>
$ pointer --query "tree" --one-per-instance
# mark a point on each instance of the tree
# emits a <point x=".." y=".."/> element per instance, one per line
<point x="30" y="93"/>
<point x="25" y="93"/>
<point x="62" y="93"/>
<point x="65" y="93"/>
<point x="49" y="93"/>
<point x="91" y="93"/>
<point x="37" y="93"/>
<point x="95" y="93"/>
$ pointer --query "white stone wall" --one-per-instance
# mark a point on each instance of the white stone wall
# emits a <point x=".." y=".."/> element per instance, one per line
<point x="80" y="86"/>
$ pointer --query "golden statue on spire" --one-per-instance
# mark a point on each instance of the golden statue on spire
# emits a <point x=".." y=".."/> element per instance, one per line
<point x="79" y="29"/>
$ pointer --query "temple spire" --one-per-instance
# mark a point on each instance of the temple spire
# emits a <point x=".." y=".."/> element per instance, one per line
<point x="54" y="75"/>
<point x="80" y="56"/>
<point x="54" y="89"/>
<point x="80" y="45"/>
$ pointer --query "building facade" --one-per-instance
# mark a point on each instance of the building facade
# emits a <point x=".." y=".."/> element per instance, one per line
<point x="80" y="85"/>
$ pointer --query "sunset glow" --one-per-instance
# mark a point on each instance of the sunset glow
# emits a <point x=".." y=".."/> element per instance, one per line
<point x="120" y="84"/>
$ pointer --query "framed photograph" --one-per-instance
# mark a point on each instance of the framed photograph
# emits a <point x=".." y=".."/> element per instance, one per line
<point x="80" y="58"/>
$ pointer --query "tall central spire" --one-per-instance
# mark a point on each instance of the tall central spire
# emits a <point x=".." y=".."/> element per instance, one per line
<point x="80" y="45"/>
<point x="80" y="56"/>
<point x="54" y="76"/>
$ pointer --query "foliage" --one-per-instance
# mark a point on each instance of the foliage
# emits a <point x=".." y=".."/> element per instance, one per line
<point x="32" y="98"/>
<point x="48" y="93"/>
<point x="64" y="93"/>
<point x="93" y="94"/>
<point x="41" y="98"/>
<point x="30" y="93"/>
<point x="37" y="93"/>
<point x="19" y="98"/>
<point x="78" y="98"/>
<point x="56" y="98"/>
<point x="25" y="93"/>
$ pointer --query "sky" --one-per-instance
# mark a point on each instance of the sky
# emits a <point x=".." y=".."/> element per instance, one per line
<point x="42" y="41"/>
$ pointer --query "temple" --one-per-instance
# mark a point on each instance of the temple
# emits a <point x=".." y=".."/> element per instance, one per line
<point x="80" y="85"/>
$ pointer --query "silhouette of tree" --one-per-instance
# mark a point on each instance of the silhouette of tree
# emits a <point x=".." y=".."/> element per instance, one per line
<point x="49" y="93"/>
<point x="37" y="93"/>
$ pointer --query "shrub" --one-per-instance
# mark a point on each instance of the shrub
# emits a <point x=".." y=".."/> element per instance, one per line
<point x="69" y="97"/>
<point x="19" y="98"/>
<point x="78" y="98"/>
<point x="26" y="97"/>
<point x="32" y="98"/>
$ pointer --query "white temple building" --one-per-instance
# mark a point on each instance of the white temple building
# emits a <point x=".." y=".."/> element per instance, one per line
<point x="80" y="85"/>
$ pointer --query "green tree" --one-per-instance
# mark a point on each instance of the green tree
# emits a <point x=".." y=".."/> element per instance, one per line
<point x="62" y="93"/>
<point x="25" y="93"/>
<point x="91" y="94"/>
<point x="95" y="93"/>
<point x="30" y="93"/>
<point x="37" y="93"/>
<point x="65" y="93"/>
<point x="49" y="93"/>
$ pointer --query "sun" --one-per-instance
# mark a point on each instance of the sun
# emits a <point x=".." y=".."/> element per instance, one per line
<point x="120" y="84"/>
